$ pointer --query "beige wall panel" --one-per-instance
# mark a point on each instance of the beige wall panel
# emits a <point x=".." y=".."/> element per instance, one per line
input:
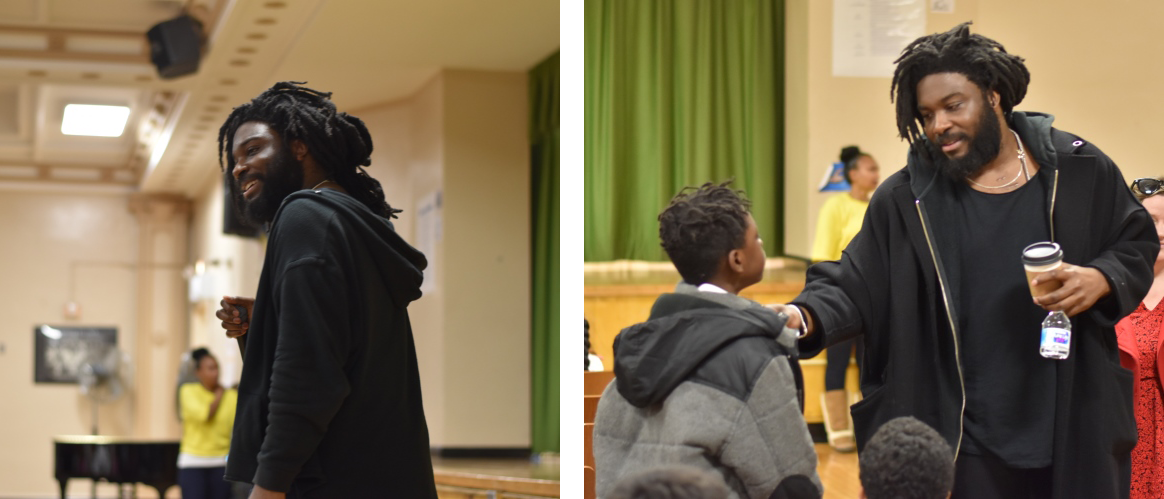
<point x="486" y="246"/>
<point x="45" y="233"/>
<point x="407" y="159"/>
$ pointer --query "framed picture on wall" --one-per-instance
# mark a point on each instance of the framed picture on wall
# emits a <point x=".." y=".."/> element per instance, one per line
<point x="61" y="350"/>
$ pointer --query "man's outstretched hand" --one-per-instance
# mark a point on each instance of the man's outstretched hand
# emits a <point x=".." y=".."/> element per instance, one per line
<point x="795" y="319"/>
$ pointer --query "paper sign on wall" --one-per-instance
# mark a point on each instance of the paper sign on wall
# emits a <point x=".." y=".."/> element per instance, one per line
<point x="868" y="35"/>
<point x="428" y="236"/>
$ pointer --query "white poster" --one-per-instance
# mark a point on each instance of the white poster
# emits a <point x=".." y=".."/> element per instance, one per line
<point x="868" y="35"/>
<point x="428" y="236"/>
<point x="942" y="6"/>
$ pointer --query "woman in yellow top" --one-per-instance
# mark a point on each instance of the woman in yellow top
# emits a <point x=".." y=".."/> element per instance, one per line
<point x="840" y="219"/>
<point x="207" y="412"/>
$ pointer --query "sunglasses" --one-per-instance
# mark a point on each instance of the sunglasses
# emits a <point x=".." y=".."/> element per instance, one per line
<point x="1147" y="186"/>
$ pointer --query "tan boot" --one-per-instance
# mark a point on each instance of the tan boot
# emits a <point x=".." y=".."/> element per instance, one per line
<point x="835" y="405"/>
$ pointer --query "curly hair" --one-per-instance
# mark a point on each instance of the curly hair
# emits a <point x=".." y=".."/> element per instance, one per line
<point x="701" y="226"/>
<point x="339" y="142"/>
<point x="982" y="60"/>
<point x="906" y="459"/>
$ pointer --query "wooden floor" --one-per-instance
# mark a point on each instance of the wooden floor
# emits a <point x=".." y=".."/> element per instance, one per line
<point x="838" y="472"/>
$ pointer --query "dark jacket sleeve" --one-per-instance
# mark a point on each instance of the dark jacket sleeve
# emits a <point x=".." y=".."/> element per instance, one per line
<point x="308" y="381"/>
<point x="844" y="295"/>
<point x="1129" y="247"/>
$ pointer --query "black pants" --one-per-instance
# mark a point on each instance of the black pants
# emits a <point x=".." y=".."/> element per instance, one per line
<point x="987" y="476"/>
<point x="837" y="362"/>
<point x="203" y="483"/>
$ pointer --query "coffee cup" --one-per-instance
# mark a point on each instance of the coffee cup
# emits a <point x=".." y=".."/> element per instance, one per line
<point x="1040" y="258"/>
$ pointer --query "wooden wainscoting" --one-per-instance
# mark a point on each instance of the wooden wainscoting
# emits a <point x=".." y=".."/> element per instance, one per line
<point x="458" y="478"/>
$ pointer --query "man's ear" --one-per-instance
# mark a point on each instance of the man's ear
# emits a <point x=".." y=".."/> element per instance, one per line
<point x="995" y="100"/>
<point x="862" y="494"/>
<point x="299" y="149"/>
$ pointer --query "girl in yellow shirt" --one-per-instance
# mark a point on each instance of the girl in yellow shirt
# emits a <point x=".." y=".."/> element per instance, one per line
<point x="207" y="412"/>
<point x="840" y="220"/>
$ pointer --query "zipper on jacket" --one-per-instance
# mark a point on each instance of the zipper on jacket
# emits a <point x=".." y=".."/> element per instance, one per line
<point x="1050" y="216"/>
<point x="953" y="329"/>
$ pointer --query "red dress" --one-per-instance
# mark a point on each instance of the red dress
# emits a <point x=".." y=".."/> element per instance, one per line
<point x="1148" y="455"/>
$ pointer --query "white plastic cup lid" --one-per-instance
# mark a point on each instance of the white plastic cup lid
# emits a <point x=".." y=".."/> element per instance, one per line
<point x="1043" y="253"/>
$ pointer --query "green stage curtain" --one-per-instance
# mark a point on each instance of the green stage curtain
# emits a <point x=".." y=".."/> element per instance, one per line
<point x="543" y="92"/>
<point x="678" y="93"/>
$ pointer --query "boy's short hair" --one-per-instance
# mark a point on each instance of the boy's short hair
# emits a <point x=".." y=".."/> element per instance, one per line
<point x="906" y="459"/>
<point x="701" y="226"/>
<point x="670" y="482"/>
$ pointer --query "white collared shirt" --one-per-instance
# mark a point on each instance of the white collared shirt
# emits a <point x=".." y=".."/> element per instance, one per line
<point x="711" y="288"/>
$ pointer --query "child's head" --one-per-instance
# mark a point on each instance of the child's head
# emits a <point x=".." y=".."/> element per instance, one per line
<point x="710" y="236"/>
<point x="906" y="459"/>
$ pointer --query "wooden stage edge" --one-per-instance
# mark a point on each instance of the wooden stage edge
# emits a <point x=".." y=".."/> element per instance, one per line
<point x="504" y="476"/>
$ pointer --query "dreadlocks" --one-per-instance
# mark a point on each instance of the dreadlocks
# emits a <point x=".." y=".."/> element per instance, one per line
<point x="982" y="60"/>
<point x="339" y="142"/>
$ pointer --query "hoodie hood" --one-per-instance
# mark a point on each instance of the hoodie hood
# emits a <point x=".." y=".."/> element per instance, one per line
<point x="1034" y="129"/>
<point x="399" y="264"/>
<point x="654" y="357"/>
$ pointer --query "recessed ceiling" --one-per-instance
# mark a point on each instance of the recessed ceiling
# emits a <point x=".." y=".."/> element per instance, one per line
<point x="53" y="52"/>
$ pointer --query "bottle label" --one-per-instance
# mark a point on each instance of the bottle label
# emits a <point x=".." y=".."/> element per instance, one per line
<point x="1055" y="343"/>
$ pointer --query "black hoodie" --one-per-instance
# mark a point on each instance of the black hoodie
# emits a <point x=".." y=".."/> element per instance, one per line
<point x="329" y="402"/>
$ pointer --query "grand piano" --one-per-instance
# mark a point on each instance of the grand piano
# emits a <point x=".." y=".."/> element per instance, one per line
<point x="120" y="460"/>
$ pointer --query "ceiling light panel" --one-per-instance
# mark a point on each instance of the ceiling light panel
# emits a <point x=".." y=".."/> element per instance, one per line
<point x="92" y="120"/>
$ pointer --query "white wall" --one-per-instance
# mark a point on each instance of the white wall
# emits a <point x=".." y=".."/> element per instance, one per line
<point x="487" y="259"/>
<point x="465" y="134"/>
<point x="48" y="236"/>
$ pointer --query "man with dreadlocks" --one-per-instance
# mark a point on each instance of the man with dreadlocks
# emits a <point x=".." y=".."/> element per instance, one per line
<point x="329" y="401"/>
<point x="934" y="282"/>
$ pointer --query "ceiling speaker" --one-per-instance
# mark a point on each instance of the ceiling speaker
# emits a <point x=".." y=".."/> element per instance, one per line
<point x="176" y="46"/>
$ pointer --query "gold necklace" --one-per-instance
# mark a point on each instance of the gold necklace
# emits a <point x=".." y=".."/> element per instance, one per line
<point x="326" y="180"/>
<point x="1022" y="156"/>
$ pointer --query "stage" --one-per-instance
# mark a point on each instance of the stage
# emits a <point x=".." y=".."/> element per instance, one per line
<point x="464" y="478"/>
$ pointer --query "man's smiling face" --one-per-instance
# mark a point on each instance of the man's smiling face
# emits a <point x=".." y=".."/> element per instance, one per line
<point x="264" y="172"/>
<point x="959" y="122"/>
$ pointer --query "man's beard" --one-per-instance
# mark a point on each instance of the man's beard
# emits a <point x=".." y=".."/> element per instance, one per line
<point x="984" y="147"/>
<point x="284" y="176"/>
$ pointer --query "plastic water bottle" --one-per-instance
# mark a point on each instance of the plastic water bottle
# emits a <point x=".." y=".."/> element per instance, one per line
<point x="1056" y="339"/>
<point x="1039" y="258"/>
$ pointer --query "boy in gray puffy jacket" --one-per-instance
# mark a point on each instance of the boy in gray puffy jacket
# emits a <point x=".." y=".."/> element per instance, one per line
<point x="711" y="380"/>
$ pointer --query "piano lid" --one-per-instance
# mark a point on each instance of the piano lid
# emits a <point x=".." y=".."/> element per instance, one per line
<point x="109" y="439"/>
